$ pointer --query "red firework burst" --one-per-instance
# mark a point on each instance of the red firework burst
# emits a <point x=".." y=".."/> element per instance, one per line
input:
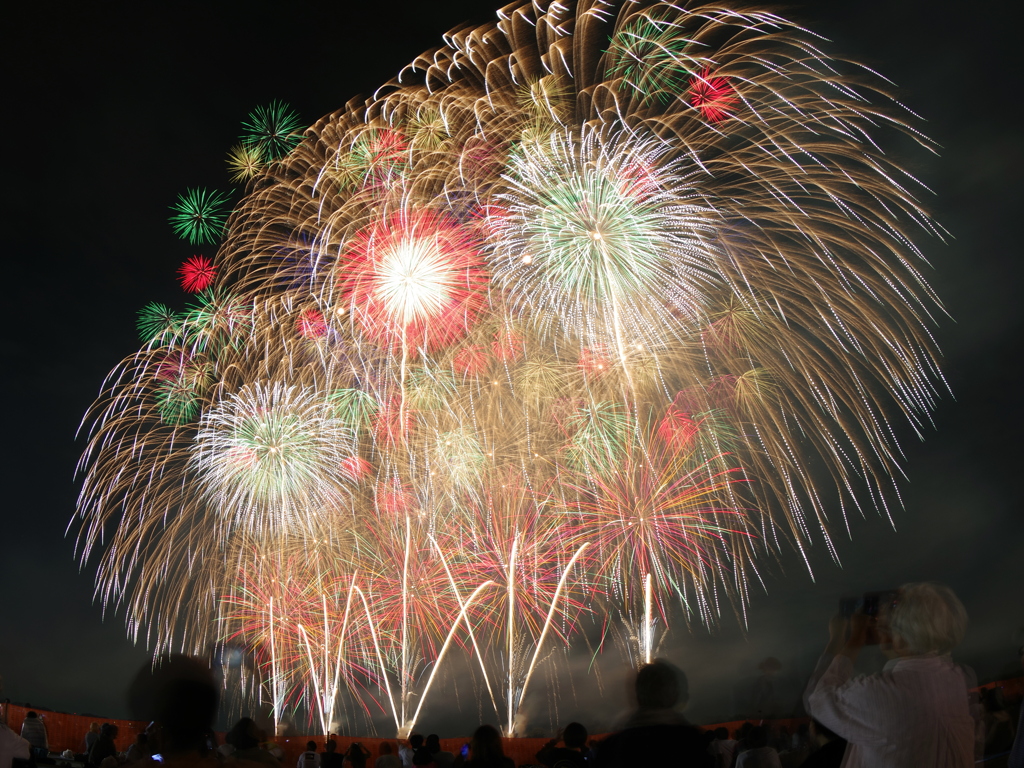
<point x="197" y="274"/>
<point x="470" y="361"/>
<point x="355" y="467"/>
<point x="593" y="362"/>
<point x="389" y="425"/>
<point x="415" y="280"/>
<point x="311" y="324"/>
<point x="677" y="428"/>
<point x="392" y="499"/>
<point x="384" y="150"/>
<point x="713" y="96"/>
<point x="508" y="346"/>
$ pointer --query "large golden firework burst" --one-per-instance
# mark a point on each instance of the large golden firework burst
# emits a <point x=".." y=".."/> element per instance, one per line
<point x="585" y="312"/>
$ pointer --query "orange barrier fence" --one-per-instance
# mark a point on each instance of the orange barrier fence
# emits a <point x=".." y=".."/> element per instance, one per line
<point x="66" y="731"/>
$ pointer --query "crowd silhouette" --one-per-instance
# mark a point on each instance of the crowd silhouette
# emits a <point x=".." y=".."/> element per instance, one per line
<point x="921" y="710"/>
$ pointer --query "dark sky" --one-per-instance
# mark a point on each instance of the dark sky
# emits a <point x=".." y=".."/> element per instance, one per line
<point x="113" y="108"/>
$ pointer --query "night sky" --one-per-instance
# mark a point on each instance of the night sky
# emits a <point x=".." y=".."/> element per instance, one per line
<point x="112" y="109"/>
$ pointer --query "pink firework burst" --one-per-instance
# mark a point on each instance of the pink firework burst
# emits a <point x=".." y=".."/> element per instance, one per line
<point x="414" y="280"/>
<point x="713" y="96"/>
<point x="311" y="324"/>
<point x="197" y="274"/>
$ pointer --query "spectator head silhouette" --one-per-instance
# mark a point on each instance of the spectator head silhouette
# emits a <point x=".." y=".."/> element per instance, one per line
<point x="433" y="743"/>
<point x="331" y="745"/>
<point x="722" y="733"/>
<point x="758" y="737"/>
<point x="311" y="746"/>
<point x="659" y="685"/>
<point x="927" y="618"/>
<point x="244" y="734"/>
<point x="180" y="694"/>
<point x="574" y="736"/>
<point x="416" y="740"/>
<point x="485" y="746"/>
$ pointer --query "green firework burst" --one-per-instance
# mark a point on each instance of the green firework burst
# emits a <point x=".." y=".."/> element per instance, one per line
<point x="649" y="54"/>
<point x="600" y="435"/>
<point x="157" y="324"/>
<point x="216" y="318"/>
<point x="275" y="129"/>
<point x="199" y="215"/>
<point x="353" y="407"/>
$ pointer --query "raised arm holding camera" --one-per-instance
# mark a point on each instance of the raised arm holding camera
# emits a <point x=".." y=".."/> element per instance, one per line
<point x="915" y="713"/>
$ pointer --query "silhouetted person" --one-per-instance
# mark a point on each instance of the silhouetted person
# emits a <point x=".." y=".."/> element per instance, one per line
<point x="138" y="749"/>
<point x="914" y="714"/>
<point x="1016" y="759"/>
<point x="758" y="753"/>
<point x="104" y="746"/>
<point x="442" y="758"/>
<point x="828" y="748"/>
<point x="722" y="748"/>
<point x="485" y="751"/>
<point x="387" y="758"/>
<point x="180" y="696"/>
<point x="574" y="737"/>
<point x="330" y="758"/>
<point x="357" y="755"/>
<point x="91" y="735"/>
<point x="407" y="750"/>
<point x="34" y="732"/>
<point x="999" y="730"/>
<point x="656" y="734"/>
<point x="12" y="746"/>
<point x="245" y="737"/>
<point x="422" y="758"/>
<point x="309" y="758"/>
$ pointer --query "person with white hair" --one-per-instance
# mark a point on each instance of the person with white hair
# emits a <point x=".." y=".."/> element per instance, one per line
<point x="915" y="713"/>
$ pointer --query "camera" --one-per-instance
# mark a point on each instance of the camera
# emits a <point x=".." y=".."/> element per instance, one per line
<point x="870" y="604"/>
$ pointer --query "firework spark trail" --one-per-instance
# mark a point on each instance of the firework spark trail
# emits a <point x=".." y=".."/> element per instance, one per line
<point x="603" y="306"/>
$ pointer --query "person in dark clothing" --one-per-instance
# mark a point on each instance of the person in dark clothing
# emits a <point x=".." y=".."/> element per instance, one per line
<point x="656" y="734"/>
<point x="442" y="758"/>
<point x="357" y="755"/>
<point x="485" y="751"/>
<point x="830" y="751"/>
<point x="104" y="746"/>
<point x="574" y="736"/>
<point x="180" y="695"/>
<point x="330" y="758"/>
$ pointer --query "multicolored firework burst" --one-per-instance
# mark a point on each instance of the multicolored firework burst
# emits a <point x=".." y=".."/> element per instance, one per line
<point x="527" y="342"/>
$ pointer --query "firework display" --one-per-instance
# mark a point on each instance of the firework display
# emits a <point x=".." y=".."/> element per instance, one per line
<point x="576" y="321"/>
